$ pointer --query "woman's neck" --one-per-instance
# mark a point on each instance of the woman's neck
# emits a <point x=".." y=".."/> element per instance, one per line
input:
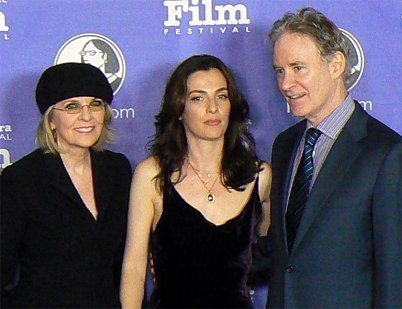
<point x="206" y="156"/>
<point x="78" y="162"/>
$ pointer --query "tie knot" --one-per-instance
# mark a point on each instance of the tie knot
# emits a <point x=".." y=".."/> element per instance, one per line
<point x="312" y="135"/>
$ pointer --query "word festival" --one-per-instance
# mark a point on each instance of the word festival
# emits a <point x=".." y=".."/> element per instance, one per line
<point x="203" y="15"/>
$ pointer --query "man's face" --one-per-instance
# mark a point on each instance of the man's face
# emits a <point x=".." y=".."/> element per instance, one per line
<point x="306" y="80"/>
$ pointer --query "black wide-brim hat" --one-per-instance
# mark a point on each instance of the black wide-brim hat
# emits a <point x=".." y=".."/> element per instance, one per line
<point x="68" y="80"/>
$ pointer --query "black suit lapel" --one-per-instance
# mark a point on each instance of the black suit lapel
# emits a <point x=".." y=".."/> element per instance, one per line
<point x="102" y="175"/>
<point x="60" y="181"/>
<point x="102" y="178"/>
<point x="343" y="154"/>
<point x="285" y="156"/>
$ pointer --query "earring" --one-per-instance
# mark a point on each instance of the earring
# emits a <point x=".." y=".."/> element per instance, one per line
<point x="180" y="118"/>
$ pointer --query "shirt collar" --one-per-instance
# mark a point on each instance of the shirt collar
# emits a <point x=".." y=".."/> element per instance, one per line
<point x="333" y="124"/>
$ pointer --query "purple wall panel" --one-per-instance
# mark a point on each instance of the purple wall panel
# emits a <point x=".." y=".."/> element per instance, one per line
<point x="147" y="46"/>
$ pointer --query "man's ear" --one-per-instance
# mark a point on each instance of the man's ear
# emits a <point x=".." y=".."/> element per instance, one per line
<point x="337" y="65"/>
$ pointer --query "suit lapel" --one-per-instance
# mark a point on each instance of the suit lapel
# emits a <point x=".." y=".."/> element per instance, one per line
<point x="288" y="149"/>
<point x="344" y="152"/>
<point x="101" y="174"/>
<point x="60" y="180"/>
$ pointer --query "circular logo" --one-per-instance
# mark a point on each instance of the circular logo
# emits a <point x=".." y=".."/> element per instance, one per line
<point x="98" y="51"/>
<point x="356" y="60"/>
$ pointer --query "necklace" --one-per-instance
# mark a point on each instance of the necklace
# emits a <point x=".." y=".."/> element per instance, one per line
<point x="210" y="196"/>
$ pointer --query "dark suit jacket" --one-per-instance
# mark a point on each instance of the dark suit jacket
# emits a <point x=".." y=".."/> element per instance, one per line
<point x="348" y="249"/>
<point x="65" y="257"/>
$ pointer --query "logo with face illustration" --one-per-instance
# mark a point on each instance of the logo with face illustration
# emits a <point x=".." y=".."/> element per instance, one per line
<point x="356" y="60"/>
<point x="99" y="51"/>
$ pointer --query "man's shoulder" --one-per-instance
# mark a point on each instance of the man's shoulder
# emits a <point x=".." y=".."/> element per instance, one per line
<point x="291" y="132"/>
<point x="374" y="129"/>
<point x="382" y="132"/>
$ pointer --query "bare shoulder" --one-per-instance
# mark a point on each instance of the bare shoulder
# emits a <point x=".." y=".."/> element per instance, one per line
<point x="147" y="169"/>
<point x="265" y="178"/>
<point x="265" y="175"/>
<point x="144" y="177"/>
<point x="264" y="183"/>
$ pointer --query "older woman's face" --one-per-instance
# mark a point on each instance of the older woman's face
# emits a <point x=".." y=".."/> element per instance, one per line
<point x="77" y="131"/>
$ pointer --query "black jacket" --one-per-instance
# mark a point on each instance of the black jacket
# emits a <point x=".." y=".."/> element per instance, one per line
<point x="49" y="239"/>
<point x="347" y="252"/>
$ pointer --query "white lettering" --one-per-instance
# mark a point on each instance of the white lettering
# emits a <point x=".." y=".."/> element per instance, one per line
<point x="3" y="24"/>
<point x="367" y="105"/>
<point x="226" y="14"/>
<point x="208" y="11"/>
<point x="6" y="137"/>
<point x="195" y="15"/>
<point x="231" y="10"/>
<point x="5" y="128"/>
<point x="123" y="113"/>
<point x="6" y="158"/>
<point x="204" y="30"/>
<point x="175" y="11"/>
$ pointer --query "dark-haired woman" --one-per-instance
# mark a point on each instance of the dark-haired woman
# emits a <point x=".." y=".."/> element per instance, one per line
<point x="201" y="197"/>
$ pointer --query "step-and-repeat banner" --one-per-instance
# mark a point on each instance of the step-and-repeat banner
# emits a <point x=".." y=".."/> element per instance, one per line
<point x="137" y="43"/>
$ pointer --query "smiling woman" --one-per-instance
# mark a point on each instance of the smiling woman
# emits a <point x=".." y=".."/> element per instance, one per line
<point x="64" y="206"/>
<point x="78" y="122"/>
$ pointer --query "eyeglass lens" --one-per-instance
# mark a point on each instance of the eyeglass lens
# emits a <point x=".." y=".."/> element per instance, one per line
<point x="75" y="107"/>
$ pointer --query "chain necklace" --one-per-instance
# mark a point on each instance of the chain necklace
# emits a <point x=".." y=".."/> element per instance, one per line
<point x="210" y="196"/>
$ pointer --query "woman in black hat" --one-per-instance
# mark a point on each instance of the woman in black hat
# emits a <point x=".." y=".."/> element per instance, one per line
<point x="64" y="206"/>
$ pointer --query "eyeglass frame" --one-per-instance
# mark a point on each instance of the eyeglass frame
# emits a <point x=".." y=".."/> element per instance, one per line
<point x="90" y="52"/>
<point x="81" y="107"/>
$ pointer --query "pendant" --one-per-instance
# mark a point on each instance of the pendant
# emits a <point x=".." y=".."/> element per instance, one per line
<point x="210" y="197"/>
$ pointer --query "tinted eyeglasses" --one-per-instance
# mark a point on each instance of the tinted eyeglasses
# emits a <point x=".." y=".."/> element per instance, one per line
<point x="75" y="107"/>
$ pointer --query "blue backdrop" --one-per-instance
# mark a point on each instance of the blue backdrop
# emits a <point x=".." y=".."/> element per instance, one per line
<point x="139" y="42"/>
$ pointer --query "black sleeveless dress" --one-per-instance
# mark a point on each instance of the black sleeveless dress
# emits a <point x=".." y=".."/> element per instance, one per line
<point x="199" y="264"/>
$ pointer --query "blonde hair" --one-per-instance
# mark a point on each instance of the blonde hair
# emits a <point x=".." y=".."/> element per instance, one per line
<point x="46" y="138"/>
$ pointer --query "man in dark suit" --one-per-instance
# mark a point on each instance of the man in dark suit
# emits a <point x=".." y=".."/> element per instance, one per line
<point x="336" y="221"/>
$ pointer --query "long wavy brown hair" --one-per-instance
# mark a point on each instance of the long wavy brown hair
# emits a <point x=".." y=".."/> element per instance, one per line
<point x="169" y="145"/>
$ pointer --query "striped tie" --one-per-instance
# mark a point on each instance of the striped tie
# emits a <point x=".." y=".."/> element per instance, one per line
<point x="301" y="186"/>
